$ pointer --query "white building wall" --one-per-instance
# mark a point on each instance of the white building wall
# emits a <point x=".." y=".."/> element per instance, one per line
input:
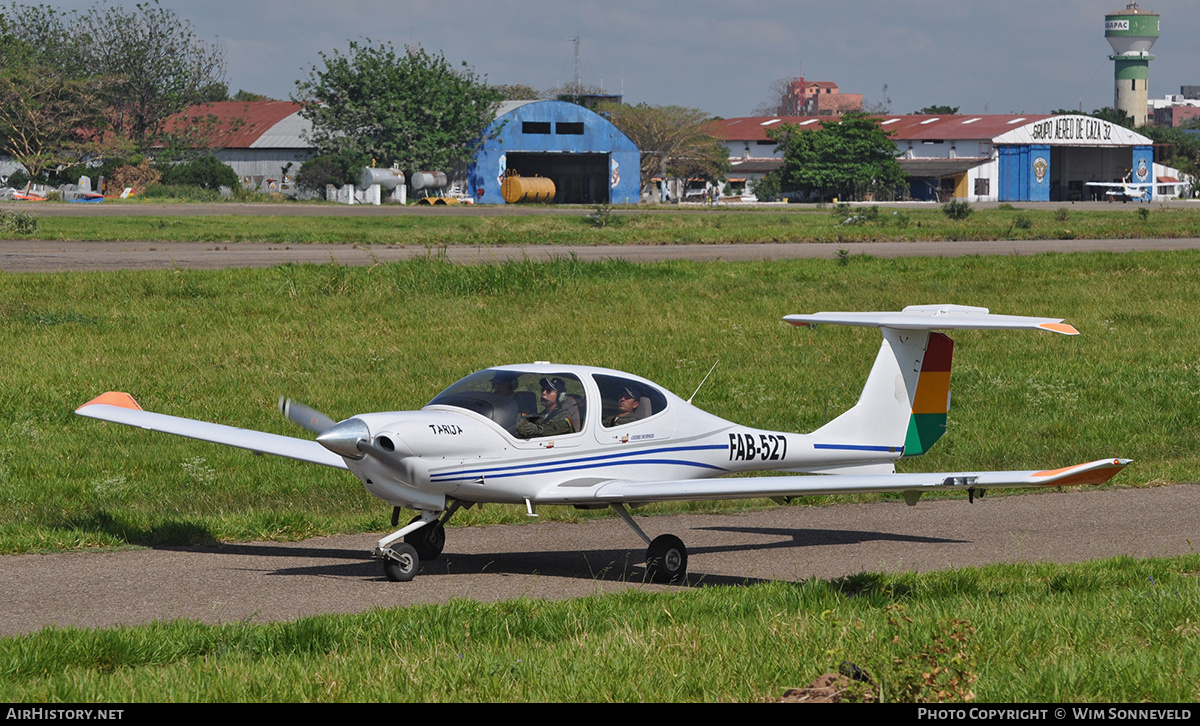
<point x="257" y="167"/>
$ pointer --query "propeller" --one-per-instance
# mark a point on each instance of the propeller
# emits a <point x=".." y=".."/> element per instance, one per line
<point x="305" y="417"/>
<point x="350" y="438"/>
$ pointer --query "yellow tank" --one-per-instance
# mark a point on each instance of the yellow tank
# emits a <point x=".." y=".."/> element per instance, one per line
<point x="527" y="189"/>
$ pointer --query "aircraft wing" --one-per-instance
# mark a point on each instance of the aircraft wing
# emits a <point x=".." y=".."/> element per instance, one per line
<point x="1096" y="472"/>
<point x="1130" y="185"/>
<point x="123" y="409"/>
<point x="935" y="317"/>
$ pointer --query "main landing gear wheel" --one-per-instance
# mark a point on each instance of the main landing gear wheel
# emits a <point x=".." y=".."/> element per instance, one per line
<point x="428" y="541"/>
<point x="666" y="559"/>
<point x="401" y="563"/>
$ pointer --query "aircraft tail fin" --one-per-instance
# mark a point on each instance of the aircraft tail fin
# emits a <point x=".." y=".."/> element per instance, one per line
<point x="904" y="405"/>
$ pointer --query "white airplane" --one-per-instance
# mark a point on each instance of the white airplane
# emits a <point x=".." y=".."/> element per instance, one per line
<point x="610" y="439"/>
<point x="1125" y="189"/>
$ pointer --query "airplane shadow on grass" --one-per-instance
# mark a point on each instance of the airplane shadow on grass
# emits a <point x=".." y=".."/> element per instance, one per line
<point x="608" y="565"/>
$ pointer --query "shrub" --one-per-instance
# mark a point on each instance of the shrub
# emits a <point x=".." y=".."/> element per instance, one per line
<point x="1062" y="214"/>
<point x="332" y="169"/>
<point x="957" y="209"/>
<point x="181" y="191"/>
<point x="766" y="188"/>
<point x="207" y="172"/>
<point x="138" y="175"/>
<point x="1022" y="222"/>
<point x="18" y="223"/>
<point x="18" y="179"/>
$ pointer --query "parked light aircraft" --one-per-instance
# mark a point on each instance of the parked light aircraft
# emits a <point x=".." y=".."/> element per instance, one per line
<point x="631" y="441"/>
<point x="1126" y="190"/>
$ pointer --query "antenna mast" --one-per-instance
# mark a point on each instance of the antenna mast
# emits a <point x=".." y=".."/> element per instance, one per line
<point x="575" y="40"/>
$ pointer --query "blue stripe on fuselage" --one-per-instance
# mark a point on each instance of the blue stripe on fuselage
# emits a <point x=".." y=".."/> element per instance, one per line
<point x="853" y="447"/>
<point x="586" y="462"/>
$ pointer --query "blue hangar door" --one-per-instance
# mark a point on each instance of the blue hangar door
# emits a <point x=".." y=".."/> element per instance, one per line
<point x="578" y="178"/>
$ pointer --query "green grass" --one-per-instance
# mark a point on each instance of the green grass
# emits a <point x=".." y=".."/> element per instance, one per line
<point x="1119" y="631"/>
<point x="224" y="345"/>
<point x="628" y="226"/>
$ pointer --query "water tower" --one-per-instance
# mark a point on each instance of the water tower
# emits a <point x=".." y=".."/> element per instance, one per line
<point x="1131" y="33"/>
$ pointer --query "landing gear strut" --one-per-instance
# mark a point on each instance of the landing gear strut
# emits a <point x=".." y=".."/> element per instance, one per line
<point x="429" y="540"/>
<point x="424" y="537"/>
<point x="666" y="558"/>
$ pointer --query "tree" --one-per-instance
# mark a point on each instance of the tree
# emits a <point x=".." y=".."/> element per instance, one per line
<point x="155" y="64"/>
<point x="667" y="137"/>
<point x="783" y="99"/>
<point x="937" y="111"/>
<point x="851" y="158"/>
<point x="50" y="113"/>
<point x="1109" y="114"/>
<point x="47" y="120"/>
<point x="517" y="92"/>
<point x="1175" y="147"/>
<point x="250" y="97"/>
<point x="410" y="108"/>
<point x="572" y="92"/>
<point x="703" y="158"/>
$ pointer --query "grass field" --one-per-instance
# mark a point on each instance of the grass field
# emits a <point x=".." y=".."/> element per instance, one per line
<point x="1119" y="631"/>
<point x="638" y="226"/>
<point x="224" y="345"/>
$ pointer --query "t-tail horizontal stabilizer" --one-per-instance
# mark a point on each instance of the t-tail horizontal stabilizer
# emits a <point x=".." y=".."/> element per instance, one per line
<point x="906" y="399"/>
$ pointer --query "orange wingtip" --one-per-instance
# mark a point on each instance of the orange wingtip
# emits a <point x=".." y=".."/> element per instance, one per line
<point x="1089" y="476"/>
<point x="114" y="398"/>
<point x="1060" y="328"/>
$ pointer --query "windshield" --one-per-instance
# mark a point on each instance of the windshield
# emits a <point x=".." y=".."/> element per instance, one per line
<point x="508" y="397"/>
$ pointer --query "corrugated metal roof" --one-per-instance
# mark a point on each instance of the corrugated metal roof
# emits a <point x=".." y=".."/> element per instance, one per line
<point x="506" y="106"/>
<point x="245" y="125"/>
<point x="938" y="167"/>
<point x="903" y="127"/>
<point x="756" y="166"/>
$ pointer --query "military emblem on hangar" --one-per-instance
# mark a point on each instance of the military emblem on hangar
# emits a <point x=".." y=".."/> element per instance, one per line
<point x="1142" y="171"/>
<point x="1040" y="167"/>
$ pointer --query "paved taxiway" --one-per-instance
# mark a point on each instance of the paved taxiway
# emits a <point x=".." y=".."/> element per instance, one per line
<point x="265" y="581"/>
<point x="49" y="256"/>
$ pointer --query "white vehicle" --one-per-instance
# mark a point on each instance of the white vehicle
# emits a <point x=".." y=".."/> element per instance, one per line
<point x="603" y="438"/>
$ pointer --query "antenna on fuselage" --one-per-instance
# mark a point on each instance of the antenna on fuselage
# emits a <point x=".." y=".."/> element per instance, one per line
<point x="706" y="375"/>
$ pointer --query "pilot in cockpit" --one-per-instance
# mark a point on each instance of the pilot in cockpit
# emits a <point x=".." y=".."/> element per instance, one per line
<point x="559" y="413"/>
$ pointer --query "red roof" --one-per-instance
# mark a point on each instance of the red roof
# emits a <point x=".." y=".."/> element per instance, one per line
<point x="232" y="124"/>
<point x="902" y="126"/>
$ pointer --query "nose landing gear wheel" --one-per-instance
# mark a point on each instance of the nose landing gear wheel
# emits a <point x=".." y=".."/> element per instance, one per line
<point x="666" y="559"/>
<point x="401" y="563"/>
<point x="428" y="541"/>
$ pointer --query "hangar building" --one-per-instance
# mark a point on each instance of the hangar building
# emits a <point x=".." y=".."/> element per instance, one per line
<point x="588" y="158"/>
<point x="989" y="158"/>
<point x="262" y="140"/>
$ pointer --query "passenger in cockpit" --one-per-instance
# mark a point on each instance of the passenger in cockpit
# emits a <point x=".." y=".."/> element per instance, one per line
<point x="627" y="408"/>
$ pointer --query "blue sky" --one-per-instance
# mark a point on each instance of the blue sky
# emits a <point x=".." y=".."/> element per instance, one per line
<point x="1018" y="56"/>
